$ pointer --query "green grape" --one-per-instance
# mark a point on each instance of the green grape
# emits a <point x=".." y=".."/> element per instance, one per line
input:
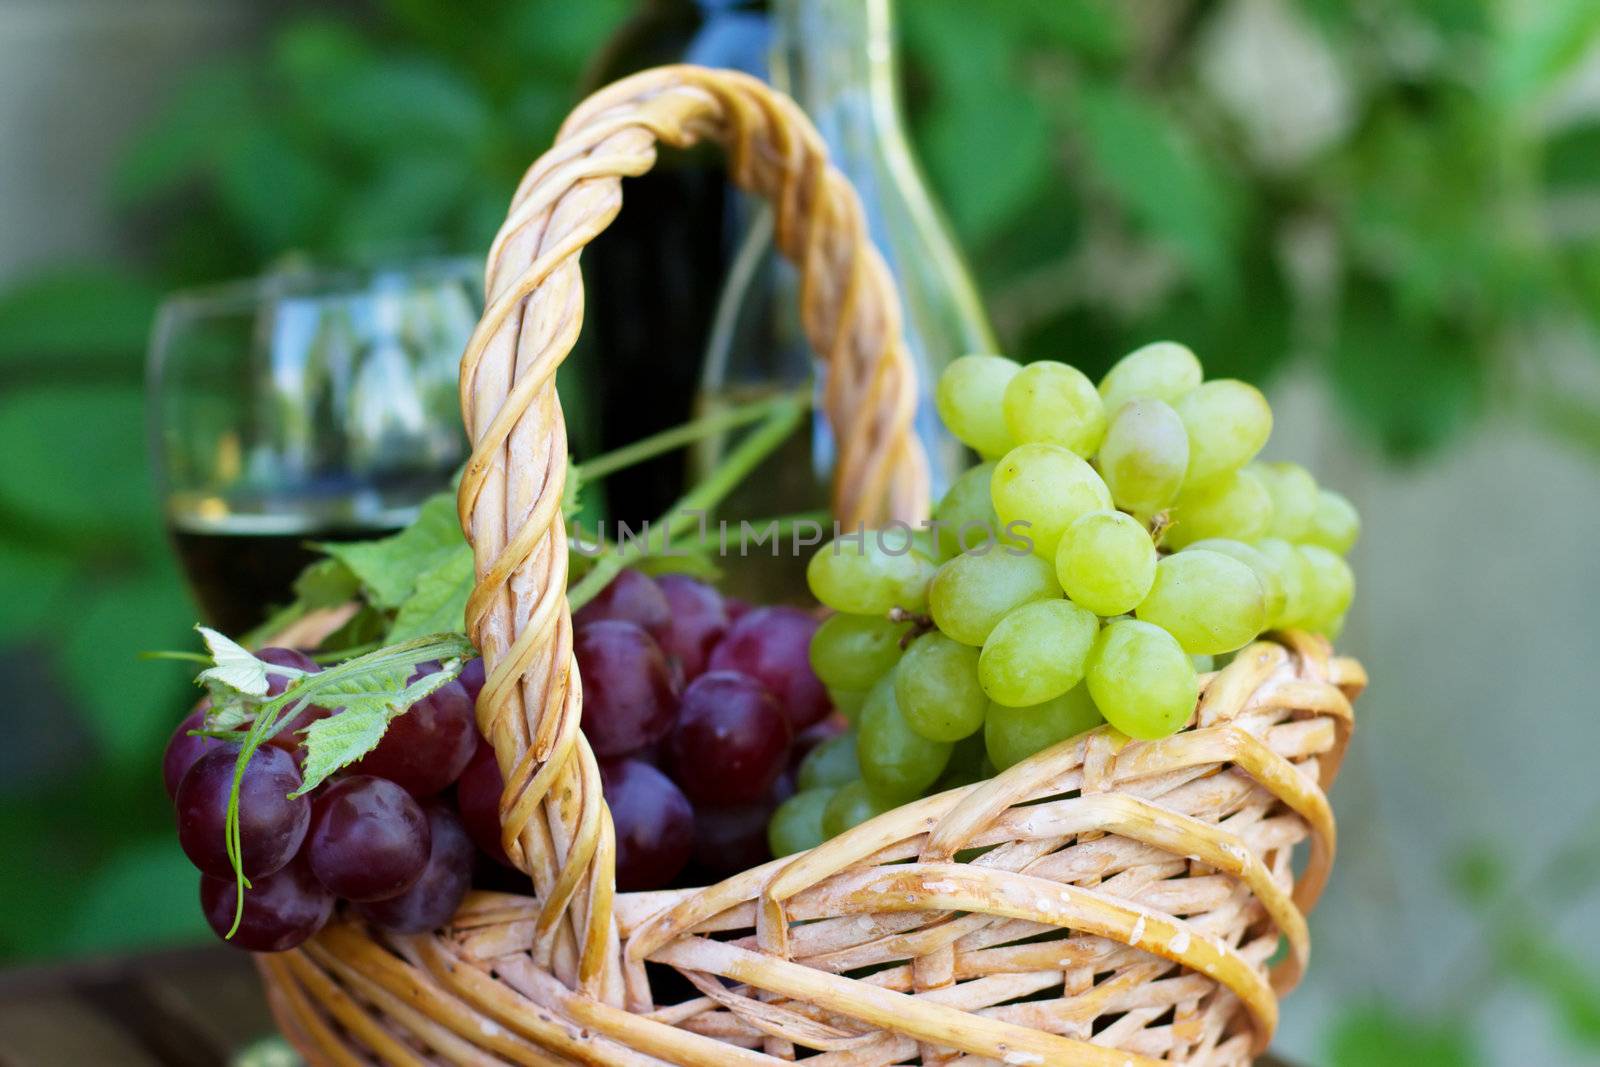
<point x="1106" y="562"/>
<point x="1144" y="456"/>
<point x="853" y="651"/>
<point x="1203" y="664"/>
<point x="1052" y="403"/>
<point x="936" y="686"/>
<point x="1295" y="572"/>
<point x="1228" y="422"/>
<point x="969" y="763"/>
<point x="1235" y="506"/>
<point x="797" y="823"/>
<point x="867" y="577"/>
<point x="1013" y="734"/>
<point x="831" y="764"/>
<point x="969" y="398"/>
<point x="1141" y="680"/>
<point x="1332" y="586"/>
<point x="1335" y="524"/>
<point x="1036" y="652"/>
<point x="1294" y="498"/>
<point x="966" y="514"/>
<point x="851" y="805"/>
<point x="847" y="702"/>
<point x="896" y="761"/>
<point x="1045" y="487"/>
<point x="976" y="589"/>
<point x="1268" y="571"/>
<point x="1164" y="371"/>
<point x="1210" y="602"/>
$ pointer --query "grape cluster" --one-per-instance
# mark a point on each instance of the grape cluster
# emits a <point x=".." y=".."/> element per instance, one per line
<point x="389" y="834"/>
<point x="1111" y="543"/>
<point x="698" y="707"/>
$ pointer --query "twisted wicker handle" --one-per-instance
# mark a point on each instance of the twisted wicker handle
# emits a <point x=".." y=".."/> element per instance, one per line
<point x="555" y="824"/>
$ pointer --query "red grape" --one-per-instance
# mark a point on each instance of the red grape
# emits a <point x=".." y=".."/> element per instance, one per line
<point x="271" y="826"/>
<point x="478" y="796"/>
<point x="730" y="840"/>
<point x="472" y="678"/>
<point x="628" y="697"/>
<point x="731" y="741"/>
<point x="654" y="824"/>
<point x="698" y="622"/>
<point x="431" y="902"/>
<point x="632" y="596"/>
<point x="428" y="746"/>
<point x="183" y="750"/>
<point x="773" y="646"/>
<point x="288" y="735"/>
<point x="736" y="607"/>
<point x="280" y="910"/>
<point x="369" y="839"/>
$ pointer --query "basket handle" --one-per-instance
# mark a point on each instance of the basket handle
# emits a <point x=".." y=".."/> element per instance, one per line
<point x="510" y="497"/>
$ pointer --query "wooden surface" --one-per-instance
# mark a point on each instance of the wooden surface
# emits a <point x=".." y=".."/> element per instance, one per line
<point x="185" y="1008"/>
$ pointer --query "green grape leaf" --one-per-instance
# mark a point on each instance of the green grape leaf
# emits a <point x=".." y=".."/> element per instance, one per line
<point x="1378" y="1036"/>
<point x="388" y="567"/>
<point x="368" y="698"/>
<point x="392" y="102"/>
<point x="326" y="583"/>
<point x="77" y="313"/>
<point x="233" y="667"/>
<point x="275" y="188"/>
<point x="183" y="141"/>
<point x="75" y="462"/>
<point x="410" y="197"/>
<point x="1571" y="989"/>
<point x="115" y="691"/>
<point x="35" y="581"/>
<point x="439" y="601"/>
<point x="1155" y="168"/>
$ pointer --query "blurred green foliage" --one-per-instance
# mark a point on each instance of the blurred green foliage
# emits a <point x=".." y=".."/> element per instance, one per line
<point x="1393" y="193"/>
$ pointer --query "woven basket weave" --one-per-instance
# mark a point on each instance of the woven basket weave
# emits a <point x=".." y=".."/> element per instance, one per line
<point x="1099" y="904"/>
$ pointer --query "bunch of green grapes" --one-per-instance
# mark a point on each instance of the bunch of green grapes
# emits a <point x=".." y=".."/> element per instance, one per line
<point x="1114" y="540"/>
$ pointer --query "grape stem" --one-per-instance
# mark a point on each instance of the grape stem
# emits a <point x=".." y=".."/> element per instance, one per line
<point x="920" y="624"/>
<point x="782" y="417"/>
<point x="690" y="432"/>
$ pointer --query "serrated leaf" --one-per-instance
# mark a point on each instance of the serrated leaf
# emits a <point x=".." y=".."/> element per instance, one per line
<point x="369" y="704"/>
<point x="326" y="583"/>
<point x="439" y="601"/>
<point x="233" y="665"/>
<point x="388" y="568"/>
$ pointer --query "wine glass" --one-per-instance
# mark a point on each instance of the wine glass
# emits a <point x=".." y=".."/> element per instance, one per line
<point x="308" y="405"/>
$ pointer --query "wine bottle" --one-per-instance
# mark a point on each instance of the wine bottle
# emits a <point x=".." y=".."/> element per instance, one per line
<point x="838" y="59"/>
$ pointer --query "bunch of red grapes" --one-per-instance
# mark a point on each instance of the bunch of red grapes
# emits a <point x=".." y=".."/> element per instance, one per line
<point x="389" y="834"/>
<point x="698" y="707"/>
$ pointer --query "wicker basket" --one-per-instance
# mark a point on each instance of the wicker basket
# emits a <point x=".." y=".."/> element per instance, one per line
<point x="1098" y="904"/>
